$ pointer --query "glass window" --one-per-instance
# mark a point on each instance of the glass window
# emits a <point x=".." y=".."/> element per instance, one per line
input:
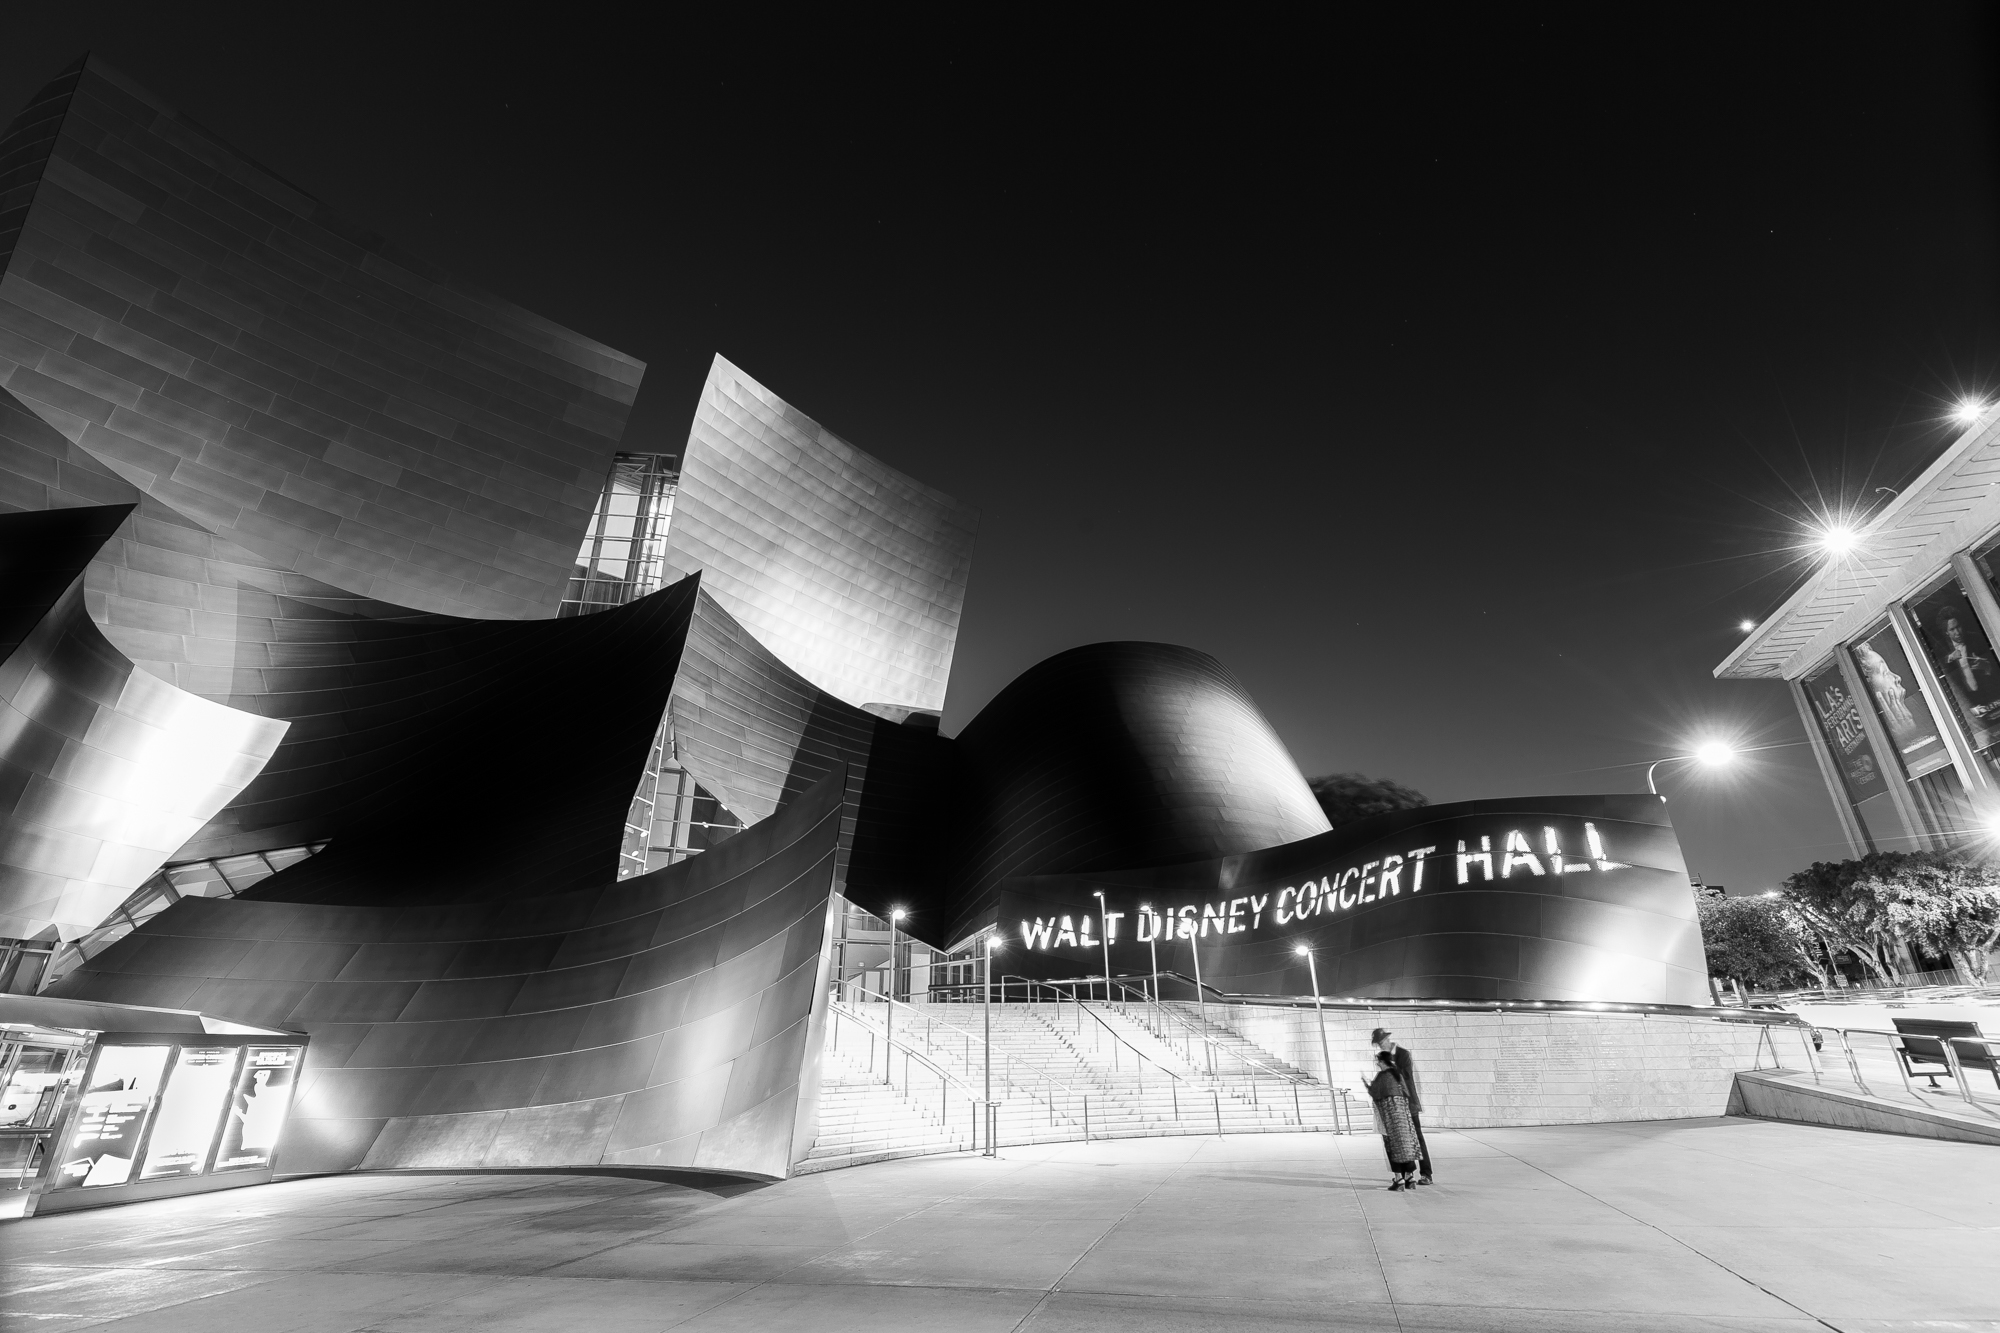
<point x="1899" y="704"/>
<point x="1962" y="657"/>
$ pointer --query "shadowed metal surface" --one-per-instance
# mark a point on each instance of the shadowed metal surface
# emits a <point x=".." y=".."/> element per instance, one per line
<point x="104" y="769"/>
<point x="1620" y="927"/>
<point x="290" y="383"/>
<point x="851" y="572"/>
<point x="1116" y="755"/>
<point x="662" y="1020"/>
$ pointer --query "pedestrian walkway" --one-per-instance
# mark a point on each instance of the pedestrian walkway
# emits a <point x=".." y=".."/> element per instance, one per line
<point x="1666" y="1225"/>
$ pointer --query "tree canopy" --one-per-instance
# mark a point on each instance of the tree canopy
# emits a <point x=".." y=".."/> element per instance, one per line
<point x="1948" y="902"/>
<point x="1347" y="797"/>
<point x="1761" y="941"/>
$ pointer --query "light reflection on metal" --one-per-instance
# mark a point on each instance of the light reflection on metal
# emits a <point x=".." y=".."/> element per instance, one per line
<point x="115" y="769"/>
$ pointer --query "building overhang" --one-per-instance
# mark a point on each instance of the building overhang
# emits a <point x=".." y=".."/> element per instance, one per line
<point x="1903" y="547"/>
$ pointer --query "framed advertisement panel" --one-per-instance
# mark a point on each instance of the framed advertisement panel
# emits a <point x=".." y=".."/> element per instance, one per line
<point x="1839" y="717"/>
<point x="1962" y="659"/>
<point x="1893" y="694"/>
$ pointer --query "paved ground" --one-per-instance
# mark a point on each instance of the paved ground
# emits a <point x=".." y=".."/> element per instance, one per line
<point x="1684" y="1225"/>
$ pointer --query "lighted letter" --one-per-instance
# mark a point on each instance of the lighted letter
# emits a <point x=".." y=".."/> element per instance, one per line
<point x="1345" y="894"/>
<point x="1257" y="910"/>
<point x="1036" y="936"/>
<point x="1280" y="914"/>
<point x="1597" y="849"/>
<point x="1518" y="851"/>
<point x="1208" y="914"/>
<point x="1184" y="928"/>
<point x="1417" y="855"/>
<point x="1368" y="878"/>
<point x="1234" y="926"/>
<point x="1084" y="934"/>
<point x="1392" y="877"/>
<point x="1111" y="920"/>
<point x="1068" y="932"/>
<point x="1484" y="854"/>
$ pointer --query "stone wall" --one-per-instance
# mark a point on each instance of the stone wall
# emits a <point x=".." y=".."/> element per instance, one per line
<point x="1478" y="1068"/>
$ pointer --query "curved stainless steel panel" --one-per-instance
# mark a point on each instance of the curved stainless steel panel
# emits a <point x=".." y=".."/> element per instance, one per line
<point x="106" y="770"/>
<point x="663" y="1020"/>
<point x="1116" y="755"/>
<point x="851" y="572"/>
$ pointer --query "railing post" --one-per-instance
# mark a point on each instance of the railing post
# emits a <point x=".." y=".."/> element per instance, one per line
<point x="1217" y="1102"/>
<point x="1853" y="1065"/>
<point x="1812" y="1060"/>
<point x="1086" y="1117"/>
<point x="1957" y="1070"/>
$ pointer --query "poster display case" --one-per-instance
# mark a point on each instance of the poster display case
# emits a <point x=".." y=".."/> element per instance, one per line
<point x="96" y="1112"/>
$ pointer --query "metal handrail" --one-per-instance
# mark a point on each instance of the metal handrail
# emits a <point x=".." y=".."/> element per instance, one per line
<point x="1288" y="1077"/>
<point x="1049" y="1102"/>
<point x="1008" y="1061"/>
<point x="1899" y="1043"/>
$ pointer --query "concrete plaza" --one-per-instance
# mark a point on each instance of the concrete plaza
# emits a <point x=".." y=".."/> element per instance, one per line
<point x="1675" y="1225"/>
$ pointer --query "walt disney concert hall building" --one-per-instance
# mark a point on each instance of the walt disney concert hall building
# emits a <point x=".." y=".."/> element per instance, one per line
<point x="363" y="681"/>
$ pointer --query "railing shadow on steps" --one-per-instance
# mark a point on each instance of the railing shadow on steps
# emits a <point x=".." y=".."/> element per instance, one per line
<point x="1057" y="1108"/>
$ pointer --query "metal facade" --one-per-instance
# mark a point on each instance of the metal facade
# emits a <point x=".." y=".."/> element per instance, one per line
<point x="851" y="572"/>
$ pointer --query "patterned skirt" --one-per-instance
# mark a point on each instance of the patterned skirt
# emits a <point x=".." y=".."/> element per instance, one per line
<point x="1399" y="1134"/>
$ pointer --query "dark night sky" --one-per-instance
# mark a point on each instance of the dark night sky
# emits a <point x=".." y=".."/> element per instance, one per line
<point x="1460" y="384"/>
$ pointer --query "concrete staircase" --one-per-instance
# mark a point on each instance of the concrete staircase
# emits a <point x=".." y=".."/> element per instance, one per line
<point x="1060" y="1071"/>
<point x="862" y="1119"/>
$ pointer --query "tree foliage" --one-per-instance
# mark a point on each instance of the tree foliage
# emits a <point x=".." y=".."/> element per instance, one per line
<point x="1761" y="941"/>
<point x="1948" y="902"/>
<point x="1347" y="797"/>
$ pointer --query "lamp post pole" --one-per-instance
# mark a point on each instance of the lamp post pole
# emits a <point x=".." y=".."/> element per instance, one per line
<point x="889" y="1010"/>
<point x="1201" y="1002"/>
<point x="1104" y="938"/>
<point x="1145" y="909"/>
<point x="991" y="942"/>
<point x="1319" y="1010"/>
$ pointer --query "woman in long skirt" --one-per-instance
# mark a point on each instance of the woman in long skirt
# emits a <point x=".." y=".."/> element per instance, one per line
<point x="1392" y="1119"/>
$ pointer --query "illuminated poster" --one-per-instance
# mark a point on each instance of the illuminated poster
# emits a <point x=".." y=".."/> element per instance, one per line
<point x="257" y="1110"/>
<point x="1962" y="656"/>
<point x="184" y="1126"/>
<point x="1840" y="722"/>
<point x="1892" y="687"/>
<point x="111" y="1117"/>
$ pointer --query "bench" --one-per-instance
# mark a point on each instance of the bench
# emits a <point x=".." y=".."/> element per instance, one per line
<point x="1923" y="1043"/>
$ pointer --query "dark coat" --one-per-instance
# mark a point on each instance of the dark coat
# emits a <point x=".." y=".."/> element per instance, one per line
<point x="1406" y="1066"/>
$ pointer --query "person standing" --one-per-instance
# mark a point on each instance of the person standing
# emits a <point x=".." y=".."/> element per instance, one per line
<point x="1392" y="1120"/>
<point x="1406" y="1068"/>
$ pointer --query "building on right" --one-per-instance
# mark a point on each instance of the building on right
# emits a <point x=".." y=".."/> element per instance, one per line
<point x="1888" y="651"/>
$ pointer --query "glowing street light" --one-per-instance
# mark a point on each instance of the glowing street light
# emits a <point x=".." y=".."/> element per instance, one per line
<point x="1325" y="1052"/>
<point x="993" y="942"/>
<point x="1967" y="411"/>
<point x="1709" y="754"/>
<point x="1836" y="539"/>
<point x="1745" y="626"/>
<point x="889" y="1009"/>
<point x="1153" y="944"/>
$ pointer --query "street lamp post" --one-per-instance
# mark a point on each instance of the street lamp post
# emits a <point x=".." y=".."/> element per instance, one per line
<point x="1713" y="754"/>
<point x="992" y="943"/>
<point x="1145" y="909"/>
<point x="1201" y="1001"/>
<point x="889" y="1010"/>
<point x="1319" y="1010"/>
<point x="1104" y="937"/>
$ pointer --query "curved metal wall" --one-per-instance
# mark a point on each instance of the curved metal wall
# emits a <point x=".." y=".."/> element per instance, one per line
<point x="665" y="1020"/>
<point x="105" y="770"/>
<point x="1121" y="754"/>
<point x="283" y="380"/>
<point x="1558" y="898"/>
<point x="851" y="572"/>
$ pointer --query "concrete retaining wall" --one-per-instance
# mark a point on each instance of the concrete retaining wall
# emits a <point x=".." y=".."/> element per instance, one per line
<point x="1479" y="1069"/>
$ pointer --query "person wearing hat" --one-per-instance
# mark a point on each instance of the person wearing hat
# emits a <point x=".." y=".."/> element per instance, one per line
<point x="1406" y="1070"/>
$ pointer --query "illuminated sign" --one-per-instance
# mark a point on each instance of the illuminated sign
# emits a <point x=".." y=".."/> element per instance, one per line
<point x="257" y="1110"/>
<point x="111" y="1117"/>
<point x="184" y="1128"/>
<point x="1531" y="852"/>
